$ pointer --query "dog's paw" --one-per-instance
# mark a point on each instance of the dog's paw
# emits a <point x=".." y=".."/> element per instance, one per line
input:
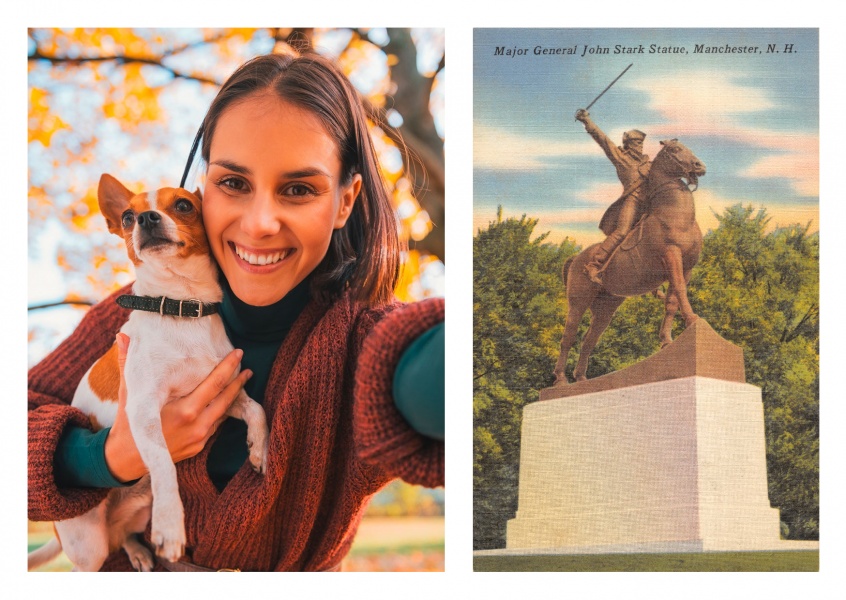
<point x="168" y="534"/>
<point x="257" y="444"/>
<point x="170" y="549"/>
<point x="258" y="458"/>
<point x="140" y="557"/>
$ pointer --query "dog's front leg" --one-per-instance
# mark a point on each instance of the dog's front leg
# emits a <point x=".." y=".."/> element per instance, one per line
<point x="143" y="412"/>
<point x="252" y="413"/>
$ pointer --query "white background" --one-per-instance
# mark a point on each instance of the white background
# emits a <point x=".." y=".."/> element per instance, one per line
<point x="458" y="19"/>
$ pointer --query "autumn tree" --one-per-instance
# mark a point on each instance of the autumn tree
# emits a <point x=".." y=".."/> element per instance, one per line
<point x="129" y="101"/>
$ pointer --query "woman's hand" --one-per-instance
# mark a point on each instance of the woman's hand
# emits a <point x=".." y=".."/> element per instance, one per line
<point x="187" y="422"/>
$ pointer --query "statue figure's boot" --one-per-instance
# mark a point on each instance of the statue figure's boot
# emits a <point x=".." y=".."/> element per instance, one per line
<point x="595" y="266"/>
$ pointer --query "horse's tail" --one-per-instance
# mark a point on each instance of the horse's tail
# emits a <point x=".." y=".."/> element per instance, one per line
<point x="44" y="554"/>
<point x="566" y="270"/>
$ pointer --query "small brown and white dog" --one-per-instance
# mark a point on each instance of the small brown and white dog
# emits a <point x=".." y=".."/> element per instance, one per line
<point x="173" y="348"/>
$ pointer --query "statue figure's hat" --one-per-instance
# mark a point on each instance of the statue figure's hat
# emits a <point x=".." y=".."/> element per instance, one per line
<point x="633" y="134"/>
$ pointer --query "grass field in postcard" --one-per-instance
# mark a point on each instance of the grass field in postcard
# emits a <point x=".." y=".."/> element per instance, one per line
<point x="803" y="560"/>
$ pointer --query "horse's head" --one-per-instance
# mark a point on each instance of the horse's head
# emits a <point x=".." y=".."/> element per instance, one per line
<point x="676" y="160"/>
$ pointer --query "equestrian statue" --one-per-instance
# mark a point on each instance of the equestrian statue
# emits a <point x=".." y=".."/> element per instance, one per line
<point x="653" y="238"/>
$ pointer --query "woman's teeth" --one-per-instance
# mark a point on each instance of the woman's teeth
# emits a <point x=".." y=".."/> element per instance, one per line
<point x="261" y="259"/>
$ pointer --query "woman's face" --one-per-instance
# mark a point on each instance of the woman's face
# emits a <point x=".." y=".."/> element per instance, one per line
<point x="273" y="196"/>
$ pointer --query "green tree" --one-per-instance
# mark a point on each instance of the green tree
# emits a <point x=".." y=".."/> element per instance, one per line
<point x="518" y="303"/>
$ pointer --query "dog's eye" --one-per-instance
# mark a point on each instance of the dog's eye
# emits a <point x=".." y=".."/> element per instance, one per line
<point x="127" y="219"/>
<point x="184" y="206"/>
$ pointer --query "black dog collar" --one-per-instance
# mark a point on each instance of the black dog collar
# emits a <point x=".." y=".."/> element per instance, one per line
<point x="192" y="309"/>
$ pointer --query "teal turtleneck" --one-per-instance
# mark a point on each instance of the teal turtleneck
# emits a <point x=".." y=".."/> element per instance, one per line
<point x="259" y="332"/>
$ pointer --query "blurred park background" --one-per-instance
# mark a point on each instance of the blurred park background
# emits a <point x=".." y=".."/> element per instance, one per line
<point x="129" y="101"/>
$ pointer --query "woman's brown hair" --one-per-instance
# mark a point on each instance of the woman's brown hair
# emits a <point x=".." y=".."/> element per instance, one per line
<point x="364" y="254"/>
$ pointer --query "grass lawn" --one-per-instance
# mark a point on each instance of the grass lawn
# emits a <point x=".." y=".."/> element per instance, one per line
<point x="804" y="560"/>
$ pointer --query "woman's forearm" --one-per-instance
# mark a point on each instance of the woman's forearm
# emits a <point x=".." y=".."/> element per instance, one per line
<point x="418" y="386"/>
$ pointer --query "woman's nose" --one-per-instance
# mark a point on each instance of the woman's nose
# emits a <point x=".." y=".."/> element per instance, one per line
<point x="262" y="217"/>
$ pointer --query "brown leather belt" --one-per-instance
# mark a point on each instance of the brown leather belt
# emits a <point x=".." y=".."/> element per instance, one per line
<point x="186" y="567"/>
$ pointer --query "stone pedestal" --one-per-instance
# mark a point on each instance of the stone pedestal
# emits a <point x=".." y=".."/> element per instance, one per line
<point x="675" y="465"/>
<point x="663" y="466"/>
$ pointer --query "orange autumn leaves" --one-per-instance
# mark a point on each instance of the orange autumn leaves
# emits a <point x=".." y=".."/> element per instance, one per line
<point x="112" y="100"/>
<point x="42" y="122"/>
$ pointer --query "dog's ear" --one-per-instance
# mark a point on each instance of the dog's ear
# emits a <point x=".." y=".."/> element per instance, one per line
<point x="199" y="194"/>
<point x="113" y="198"/>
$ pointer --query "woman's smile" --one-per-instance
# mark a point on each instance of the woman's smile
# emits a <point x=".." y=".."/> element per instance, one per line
<point x="260" y="261"/>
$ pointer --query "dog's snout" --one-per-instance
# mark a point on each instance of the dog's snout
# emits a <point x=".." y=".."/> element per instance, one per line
<point x="149" y="219"/>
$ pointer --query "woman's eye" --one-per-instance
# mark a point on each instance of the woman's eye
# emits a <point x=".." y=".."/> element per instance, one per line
<point x="298" y="189"/>
<point x="127" y="219"/>
<point x="184" y="206"/>
<point x="233" y="183"/>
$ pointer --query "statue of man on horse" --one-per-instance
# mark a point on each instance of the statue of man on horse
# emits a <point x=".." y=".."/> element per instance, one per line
<point x="653" y="238"/>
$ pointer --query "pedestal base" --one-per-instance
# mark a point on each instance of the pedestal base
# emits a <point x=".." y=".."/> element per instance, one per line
<point x="672" y="466"/>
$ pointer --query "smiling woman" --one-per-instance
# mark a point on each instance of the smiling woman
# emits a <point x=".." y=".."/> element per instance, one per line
<point x="301" y="224"/>
<point x="273" y="199"/>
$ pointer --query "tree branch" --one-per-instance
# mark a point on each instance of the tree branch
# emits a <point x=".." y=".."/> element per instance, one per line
<point x="65" y="302"/>
<point x="792" y="335"/>
<point x="121" y="59"/>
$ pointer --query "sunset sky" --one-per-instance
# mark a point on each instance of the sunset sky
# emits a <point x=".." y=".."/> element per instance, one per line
<point x="751" y="117"/>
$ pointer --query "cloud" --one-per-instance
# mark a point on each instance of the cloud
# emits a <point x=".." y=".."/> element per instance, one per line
<point x="581" y="225"/>
<point x="709" y="103"/>
<point x="601" y="194"/>
<point x="503" y="150"/>
<point x="702" y="100"/>
<point x="801" y="165"/>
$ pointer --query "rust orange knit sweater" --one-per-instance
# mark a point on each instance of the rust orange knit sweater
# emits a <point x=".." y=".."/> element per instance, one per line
<point x="335" y="439"/>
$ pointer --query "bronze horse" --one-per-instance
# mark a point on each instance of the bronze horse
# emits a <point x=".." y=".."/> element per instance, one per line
<point x="663" y="246"/>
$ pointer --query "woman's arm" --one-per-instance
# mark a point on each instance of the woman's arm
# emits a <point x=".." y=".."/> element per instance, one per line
<point x="51" y="387"/>
<point x="418" y="386"/>
<point x="383" y="435"/>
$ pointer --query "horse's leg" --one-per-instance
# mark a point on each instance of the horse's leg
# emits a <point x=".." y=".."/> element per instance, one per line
<point x="571" y="329"/>
<point x="602" y="309"/>
<point x="671" y="306"/>
<point x="678" y="282"/>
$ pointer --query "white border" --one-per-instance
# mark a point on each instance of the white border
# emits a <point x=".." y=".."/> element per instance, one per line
<point x="458" y="19"/>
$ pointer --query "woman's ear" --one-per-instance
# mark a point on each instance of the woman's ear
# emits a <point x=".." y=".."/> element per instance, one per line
<point x="349" y="195"/>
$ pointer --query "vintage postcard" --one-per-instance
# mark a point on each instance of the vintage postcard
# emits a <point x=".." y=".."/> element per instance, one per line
<point x="646" y="299"/>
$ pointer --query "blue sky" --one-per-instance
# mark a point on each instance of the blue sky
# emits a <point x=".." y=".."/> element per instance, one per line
<point x="752" y="118"/>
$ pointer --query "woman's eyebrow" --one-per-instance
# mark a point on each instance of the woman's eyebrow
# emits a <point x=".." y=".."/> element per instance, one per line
<point x="231" y="166"/>
<point x="307" y="172"/>
<point x="296" y="174"/>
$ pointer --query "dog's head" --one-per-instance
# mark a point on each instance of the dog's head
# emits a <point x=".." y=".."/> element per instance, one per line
<point x="156" y="226"/>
